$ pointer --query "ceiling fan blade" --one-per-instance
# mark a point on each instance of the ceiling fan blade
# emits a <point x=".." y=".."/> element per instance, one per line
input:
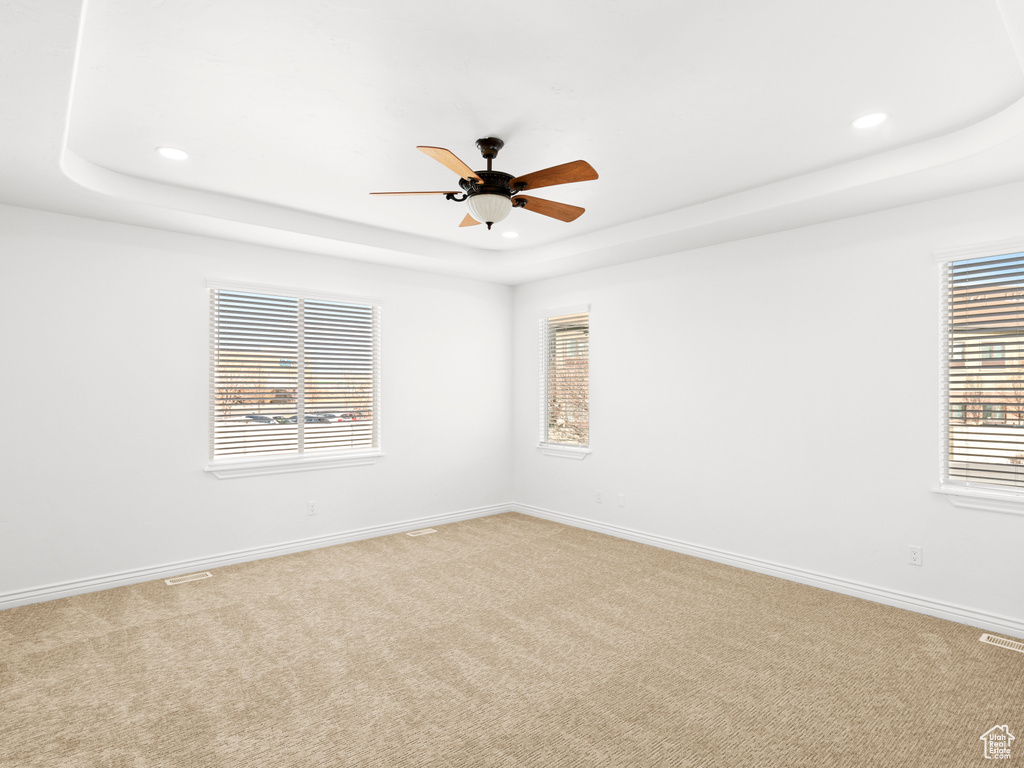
<point x="414" y="193"/>
<point x="560" y="211"/>
<point x="567" y="173"/>
<point x="469" y="221"/>
<point x="446" y="158"/>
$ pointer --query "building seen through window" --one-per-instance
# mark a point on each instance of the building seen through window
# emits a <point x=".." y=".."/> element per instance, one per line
<point x="985" y="371"/>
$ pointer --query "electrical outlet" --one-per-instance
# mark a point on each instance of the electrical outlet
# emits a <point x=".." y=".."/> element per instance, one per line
<point x="622" y="499"/>
<point x="599" y="497"/>
<point x="916" y="555"/>
<point x="311" y="507"/>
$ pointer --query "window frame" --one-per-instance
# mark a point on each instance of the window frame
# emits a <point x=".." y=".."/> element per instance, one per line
<point x="225" y="468"/>
<point x="545" y="446"/>
<point x="1007" y="500"/>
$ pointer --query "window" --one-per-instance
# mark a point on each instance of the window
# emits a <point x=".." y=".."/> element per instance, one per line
<point x="295" y="381"/>
<point x="985" y="374"/>
<point x="565" y="383"/>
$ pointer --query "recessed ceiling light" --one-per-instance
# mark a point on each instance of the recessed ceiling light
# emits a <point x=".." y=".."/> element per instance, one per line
<point x="172" y="154"/>
<point x="870" y="121"/>
<point x="510" y="235"/>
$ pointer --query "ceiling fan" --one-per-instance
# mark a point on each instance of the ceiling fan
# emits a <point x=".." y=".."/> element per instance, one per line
<point x="490" y="195"/>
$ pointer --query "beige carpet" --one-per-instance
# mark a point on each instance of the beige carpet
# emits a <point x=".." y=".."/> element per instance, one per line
<point x="501" y="641"/>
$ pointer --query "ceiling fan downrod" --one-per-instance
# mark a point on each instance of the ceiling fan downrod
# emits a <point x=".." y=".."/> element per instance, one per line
<point x="489" y="148"/>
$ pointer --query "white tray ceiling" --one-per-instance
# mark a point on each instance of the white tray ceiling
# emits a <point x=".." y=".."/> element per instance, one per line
<point x="706" y="120"/>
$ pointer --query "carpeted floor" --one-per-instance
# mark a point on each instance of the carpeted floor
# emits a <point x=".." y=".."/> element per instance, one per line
<point x="501" y="641"/>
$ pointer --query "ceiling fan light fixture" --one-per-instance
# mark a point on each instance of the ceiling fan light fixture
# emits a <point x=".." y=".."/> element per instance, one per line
<point x="489" y="209"/>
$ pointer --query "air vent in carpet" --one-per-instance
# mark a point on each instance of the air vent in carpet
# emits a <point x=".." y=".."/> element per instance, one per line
<point x="190" y="577"/>
<point x="1002" y="642"/>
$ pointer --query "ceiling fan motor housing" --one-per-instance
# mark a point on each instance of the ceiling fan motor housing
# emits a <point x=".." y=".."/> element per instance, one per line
<point x="493" y="184"/>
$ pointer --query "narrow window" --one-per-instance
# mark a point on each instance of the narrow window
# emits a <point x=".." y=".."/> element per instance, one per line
<point x="565" y="361"/>
<point x="985" y="372"/>
<point x="292" y="376"/>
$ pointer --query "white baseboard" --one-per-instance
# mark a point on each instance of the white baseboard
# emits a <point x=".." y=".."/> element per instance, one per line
<point x="1005" y="625"/>
<point x="123" y="578"/>
<point x="958" y="613"/>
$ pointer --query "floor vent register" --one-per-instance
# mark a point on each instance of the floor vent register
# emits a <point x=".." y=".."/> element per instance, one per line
<point x="190" y="577"/>
<point x="1002" y="642"/>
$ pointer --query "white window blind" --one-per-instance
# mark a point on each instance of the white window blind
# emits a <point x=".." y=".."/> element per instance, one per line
<point x="985" y="372"/>
<point x="292" y="375"/>
<point x="565" y="379"/>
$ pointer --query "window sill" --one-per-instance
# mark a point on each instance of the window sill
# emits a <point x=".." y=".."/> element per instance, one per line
<point x="1006" y="502"/>
<point x="225" y="469"/>
<point x="579" y="452"/>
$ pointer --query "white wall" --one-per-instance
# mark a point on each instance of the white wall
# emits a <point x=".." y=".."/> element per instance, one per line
<point x="778" y="399"/>
<point x="104" y="402"/>
<point x="775" y="398"/>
